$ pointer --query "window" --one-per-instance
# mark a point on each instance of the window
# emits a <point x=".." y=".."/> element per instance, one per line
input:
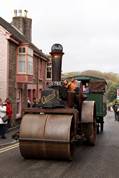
<point x="30" y="65"/>
<point x="21" y="60"/>
<point x="22" y="50"/>
<point x="34" y="93"/>
<point x="30" y="52"/>
<point x="40" y="68"/>
<point x="49" y="70"/>
<point x="29" y="94"/>
<point x="25" y="60"/>
<point x="21" y="64"/>
<point x="30" y="61"/>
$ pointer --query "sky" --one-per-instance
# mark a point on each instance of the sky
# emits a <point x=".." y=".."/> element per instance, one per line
<point x="87" y="29"/>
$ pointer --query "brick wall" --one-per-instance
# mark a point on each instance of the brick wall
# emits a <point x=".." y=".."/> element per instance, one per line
<point x="23" y="24"/>
<point x="24" y="96"/>
<point x="35" y="69"/>
<point x="12" y="76"/>
<point x="39" y="68"/>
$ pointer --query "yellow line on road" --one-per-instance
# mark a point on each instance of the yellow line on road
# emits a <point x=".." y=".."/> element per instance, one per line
<point x="7" y="148"/>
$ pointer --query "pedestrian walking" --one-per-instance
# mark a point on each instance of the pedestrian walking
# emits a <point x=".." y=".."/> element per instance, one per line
<point x="3" y="123"/>
<point x="116" y="110"/>
<point x="28" y="103"/>
<point x="8" y="111"/>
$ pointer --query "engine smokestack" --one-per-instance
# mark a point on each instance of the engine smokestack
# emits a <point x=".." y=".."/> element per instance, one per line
<point x="56" y="53"/>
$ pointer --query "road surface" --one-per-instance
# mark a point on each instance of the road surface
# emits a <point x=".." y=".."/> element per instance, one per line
<point x="100" y="161"/>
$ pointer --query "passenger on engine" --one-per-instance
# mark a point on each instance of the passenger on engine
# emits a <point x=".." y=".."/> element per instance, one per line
<point x="86" y="88"/>
<point x="66" y="84"/>
<point x="73" y="85"/>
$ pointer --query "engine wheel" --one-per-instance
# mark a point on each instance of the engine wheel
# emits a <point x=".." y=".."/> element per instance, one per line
<point x="47" y="136"/>
<point x="117" y="116"/>
<point x="88" y="120"/>
<point x="92" y="138"/>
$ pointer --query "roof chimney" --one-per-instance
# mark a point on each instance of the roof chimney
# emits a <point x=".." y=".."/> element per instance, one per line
<point x="15" y="12"/>
<point x="25" y="13"/>
<point x="20" y="12"/>
<point x="23" y="23"/>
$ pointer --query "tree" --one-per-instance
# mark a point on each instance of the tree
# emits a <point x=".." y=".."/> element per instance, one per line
<point x="112" y="91"/>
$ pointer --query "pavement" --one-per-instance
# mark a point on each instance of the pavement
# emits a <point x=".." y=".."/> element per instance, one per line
<point x="9" y="140"/>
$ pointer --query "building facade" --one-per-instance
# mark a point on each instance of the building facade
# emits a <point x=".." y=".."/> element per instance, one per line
<point x="23" y="67"/>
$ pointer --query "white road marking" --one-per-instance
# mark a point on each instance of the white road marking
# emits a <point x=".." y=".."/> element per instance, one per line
<point x="7" y="148"/>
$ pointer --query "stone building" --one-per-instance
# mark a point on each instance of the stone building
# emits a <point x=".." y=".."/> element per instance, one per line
<point x="22" y="65"/>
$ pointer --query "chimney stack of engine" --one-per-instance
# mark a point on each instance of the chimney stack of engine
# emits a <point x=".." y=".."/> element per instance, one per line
<point x="56" y="53"/>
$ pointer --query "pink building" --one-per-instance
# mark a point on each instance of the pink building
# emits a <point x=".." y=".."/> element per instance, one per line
<point x="23" y="67"/>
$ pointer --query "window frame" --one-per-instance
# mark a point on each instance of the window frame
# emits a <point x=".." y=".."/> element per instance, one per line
<point x="27" y="53"/>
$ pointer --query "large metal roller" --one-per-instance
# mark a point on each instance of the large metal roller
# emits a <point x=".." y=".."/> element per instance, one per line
<point x="88" y="121"/>
<point x="46" y="136"/>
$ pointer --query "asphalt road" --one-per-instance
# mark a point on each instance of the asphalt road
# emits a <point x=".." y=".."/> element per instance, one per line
<point x="100" y="161"/>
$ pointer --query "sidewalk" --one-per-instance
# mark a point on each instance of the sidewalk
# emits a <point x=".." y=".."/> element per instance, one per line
<point x="9" y="140"/>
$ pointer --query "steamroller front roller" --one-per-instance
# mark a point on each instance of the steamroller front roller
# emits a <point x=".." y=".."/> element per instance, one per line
<point x="47" y="136"/>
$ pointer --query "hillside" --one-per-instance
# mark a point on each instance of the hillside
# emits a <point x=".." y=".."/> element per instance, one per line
<point x="108" y="76"/>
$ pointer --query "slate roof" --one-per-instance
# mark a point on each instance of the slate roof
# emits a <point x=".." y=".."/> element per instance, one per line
<point x="19" y="36"/>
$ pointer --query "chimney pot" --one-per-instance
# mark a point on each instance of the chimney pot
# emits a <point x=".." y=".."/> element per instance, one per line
<point x="25" y="13"/>
<point x="15" y="12"/>
<point x="20" y="12"/>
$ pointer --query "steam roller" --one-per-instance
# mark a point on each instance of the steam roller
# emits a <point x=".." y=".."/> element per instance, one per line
<point x="50" y="130"/>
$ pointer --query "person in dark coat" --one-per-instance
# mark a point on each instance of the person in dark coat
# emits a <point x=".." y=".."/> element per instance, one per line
<point x="116" y="110"/>
<point x="2" y="123"/>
